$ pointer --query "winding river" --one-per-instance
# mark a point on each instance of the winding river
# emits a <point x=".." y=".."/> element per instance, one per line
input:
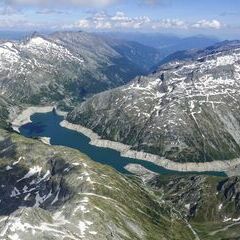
<point x="48" y="125"/>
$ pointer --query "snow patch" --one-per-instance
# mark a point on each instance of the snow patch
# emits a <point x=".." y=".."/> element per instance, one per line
<point x="34" y="170"/>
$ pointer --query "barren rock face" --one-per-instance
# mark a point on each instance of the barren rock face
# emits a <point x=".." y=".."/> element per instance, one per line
<point x="69" y="66"/>
<point x="187" y="111"/>
<point x="201" y="198"/>
<point x="49" y="192"/>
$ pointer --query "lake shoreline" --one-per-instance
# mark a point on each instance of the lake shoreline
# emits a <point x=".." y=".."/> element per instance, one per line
<point x="226" y="166"/>
<point x="125" y="151"/>
<point x="24" y="116"/>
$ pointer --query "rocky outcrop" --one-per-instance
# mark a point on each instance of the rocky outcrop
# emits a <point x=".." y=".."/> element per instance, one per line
<point x="49" y="192"/>
<point x="186" y="112"/>
<point x="230" y="167"/>
<point x="67" y="66"/>
<point x="207" y="202"/>
<point x="18" y="119"/>
<point x="230" y="192"/>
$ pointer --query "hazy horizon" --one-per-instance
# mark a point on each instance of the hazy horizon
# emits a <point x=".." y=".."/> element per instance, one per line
<point x="211" y="18"/>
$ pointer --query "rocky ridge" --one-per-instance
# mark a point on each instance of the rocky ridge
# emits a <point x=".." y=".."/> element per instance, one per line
<point x="52" y="192"/>
<point x="210" y="204"/>
<point x="187" y="111"/>
<point x="67" y="65"/>
<point x="58" y="193"/>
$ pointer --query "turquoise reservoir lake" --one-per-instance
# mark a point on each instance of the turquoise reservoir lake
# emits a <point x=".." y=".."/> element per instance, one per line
<point x="48" y="125"/>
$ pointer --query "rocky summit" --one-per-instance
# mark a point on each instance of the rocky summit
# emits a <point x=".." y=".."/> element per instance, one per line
<point x="186" y="111"/>
<point x="65" y="67"/>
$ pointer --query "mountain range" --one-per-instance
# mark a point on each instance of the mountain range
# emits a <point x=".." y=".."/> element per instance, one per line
<point x="184" y="107"/>
<point x="69" y="65"/>
<point x="166" y="43"/>
<point x="50" y="192"/>
<point x="186" y="111"/>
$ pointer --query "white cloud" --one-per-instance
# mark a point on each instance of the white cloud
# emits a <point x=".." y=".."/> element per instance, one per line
<point x="155" y="2"/>
<point x="8" y="10"/>
<point x="83" y="23"/>
<point x="170" y="23"/>
<point x="121" y="21"/>
<point x="47" y="11"/>
<point x="215" y="24"/>
<point x="98" y="20"/>
<point x="117" y="21"/>
<point x="9" y="23"/>
<point x="59" y="3"/>
<point x="120" y="16"/>
<point x="103" y="25"/>
<point x="100" y="16"/>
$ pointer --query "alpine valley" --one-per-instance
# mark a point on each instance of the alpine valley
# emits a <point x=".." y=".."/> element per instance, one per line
<point x="69" y="66"/>
<point x="186" y="111"/>
<point x="181" y="109"/>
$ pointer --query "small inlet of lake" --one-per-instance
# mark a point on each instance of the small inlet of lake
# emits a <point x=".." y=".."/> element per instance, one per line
<point x="48" y="125"/>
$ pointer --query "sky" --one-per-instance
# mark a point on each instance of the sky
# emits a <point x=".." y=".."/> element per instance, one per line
<point x="219" y="18"/>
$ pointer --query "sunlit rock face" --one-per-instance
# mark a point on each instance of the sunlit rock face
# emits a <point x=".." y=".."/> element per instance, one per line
<point x="186" y="111"/>
<point x="49" y="192"/>
<point x="68" y="66"/>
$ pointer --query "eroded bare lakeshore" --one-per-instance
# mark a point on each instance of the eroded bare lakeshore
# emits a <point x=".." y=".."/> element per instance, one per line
<point x="23" y="117"/>
<point x="228" y="166"/>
